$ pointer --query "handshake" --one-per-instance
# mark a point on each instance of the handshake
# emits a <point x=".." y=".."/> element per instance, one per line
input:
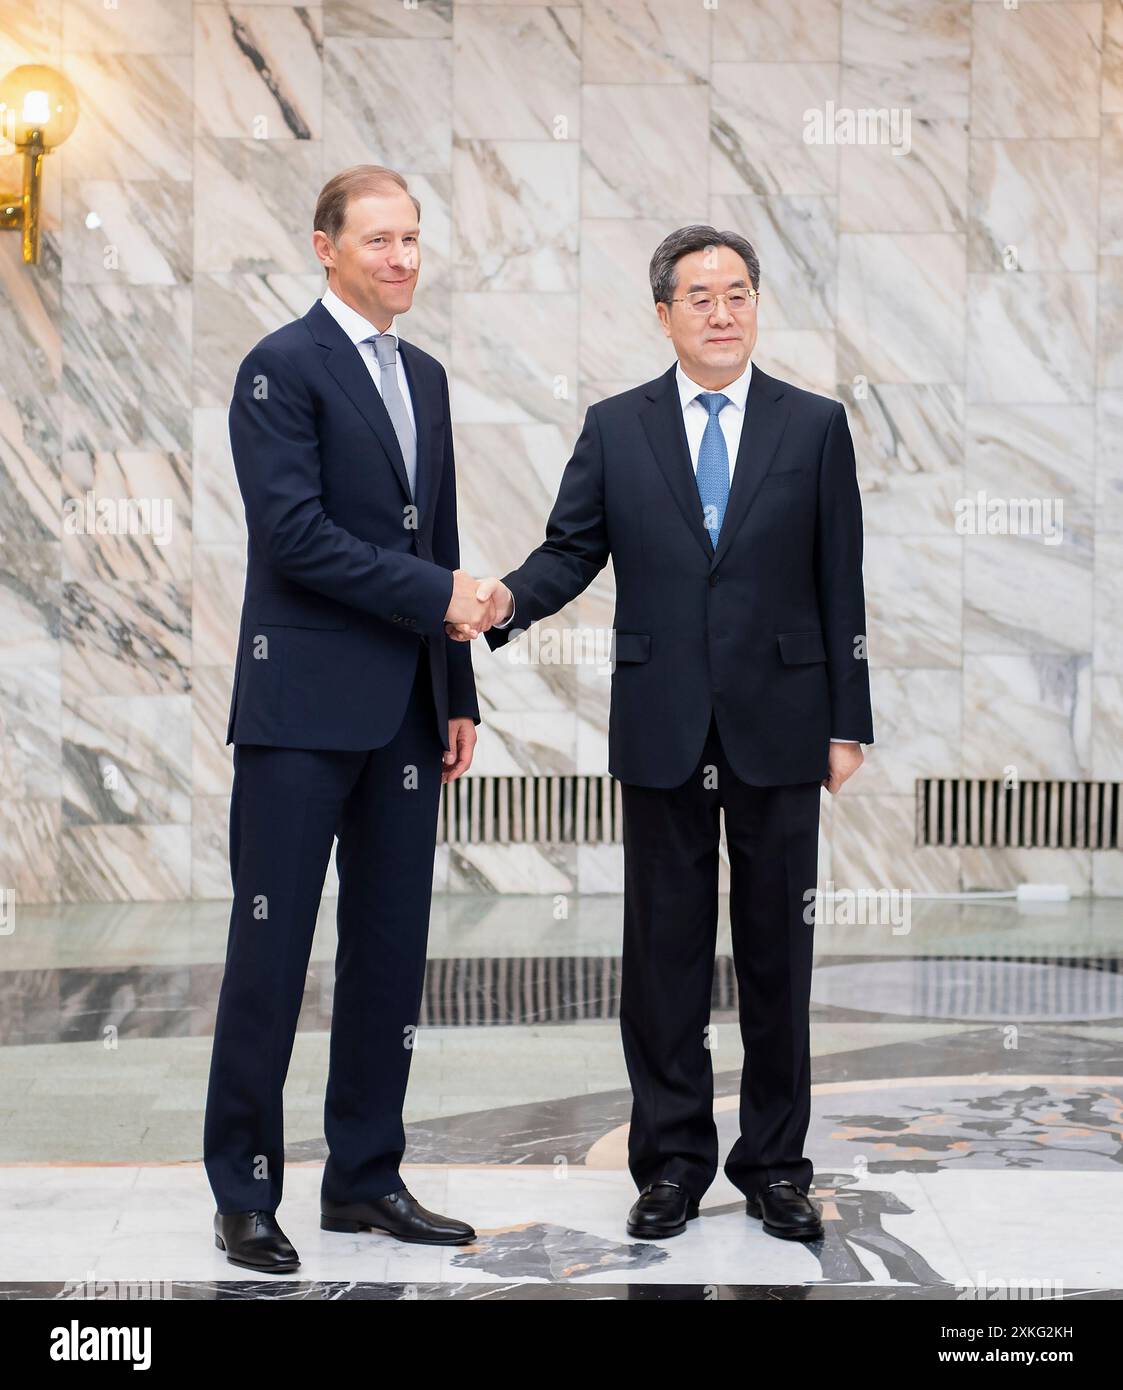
<point x="476" y="604"/>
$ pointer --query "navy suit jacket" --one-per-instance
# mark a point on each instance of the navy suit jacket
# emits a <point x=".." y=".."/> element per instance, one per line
<point x="767" y="633"/>
<point x="346" y="578"/>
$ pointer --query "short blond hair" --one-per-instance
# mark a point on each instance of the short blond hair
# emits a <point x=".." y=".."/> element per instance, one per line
<point x="356" y="182"/>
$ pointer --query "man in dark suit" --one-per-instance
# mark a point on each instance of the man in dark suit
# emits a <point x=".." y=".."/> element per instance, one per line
<point x="350" y="708"/>
<point x="729" y="504"/>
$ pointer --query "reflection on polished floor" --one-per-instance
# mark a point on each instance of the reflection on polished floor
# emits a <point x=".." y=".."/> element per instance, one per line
<point x="967" y="1118"/>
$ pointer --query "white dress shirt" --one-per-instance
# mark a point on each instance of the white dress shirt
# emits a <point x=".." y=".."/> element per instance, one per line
<point x="357" y="328"/>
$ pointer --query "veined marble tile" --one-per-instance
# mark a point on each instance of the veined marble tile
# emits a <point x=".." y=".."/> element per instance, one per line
<point x="232" y="311"/>
<point x="518" y="72"/>
<point x="1110" y="159"/>
<point x="218" y="513"/>
<point x="908" y="445"/>
<point x="128" y="26"/>
<point x="1107" y="728"/>
<point x="388" y="101"/>
<point x="642" y="150"/>
<point x="521" y="741"/>
<point x="135" y="118"/>
<point x="924" y="190"/>
<point x="621" y="338"/>
<point x="1109" y="461"/>
<point x="125" y="863"/>
<point x="216" y="603"/>
<point x="600" y="868"/>
<point x="913" y="600"/>
<point x="137" y="231"/>
<point x="796" y="242"/>
<point x="257" y="71"/>
<point x="995" y="869"/>
<point x="31" y="308"/>
<point x="30" y="485"/>
<point x="210" y="847"/>
<point x="1035" y="71"/>
<point x="30" y="600"/>
<point x="386" y="19"/>
<point x="126" y="638"/>
<point x="873" y="847"/>
<point x="638" y="41"/>
<point x="590" y="392"/>
<point x="1039" y="451"/>
<point x="1031" y="337"/>
<point x="126" y="760"/>
<point x="1112" y="67"/>
<point x="901" y="315"/>
<point x="1021" y="595"/>
<point x="211" y="760"/>
<point x="516" y="214"/>
<point x="514" y="358"/>
<point x="124" y="492"/>
<point x="1033" y="202"/>
<point x="127" y="367"/>
<point x="254" y="205"/>
<point x="917" y="728"/>
<point x="1031" y="592"/>
<point x="29" y="859"/>
<point x="774" y="31"/>
<point x="806" y="357"/>
<point x="757" y="122"/>
<point x="32" y="33"/>
<point x="1109" y="324"/>
<point x="1030" y="712"/>
<point x="30" y="714"/>
<point x="1107" y="873"/>
<point x="895" y="52"/>
<point x="1109" y="604"/>
<point x="539" y="869"/>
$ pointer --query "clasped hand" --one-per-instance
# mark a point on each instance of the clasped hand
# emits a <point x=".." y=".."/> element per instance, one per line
<point x="476" y="604"/>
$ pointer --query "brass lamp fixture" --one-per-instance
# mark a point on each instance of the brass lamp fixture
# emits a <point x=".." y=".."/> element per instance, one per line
<point x="38" y="110"/>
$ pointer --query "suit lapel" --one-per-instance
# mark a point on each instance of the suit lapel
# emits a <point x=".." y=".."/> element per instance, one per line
<point x="426" y="403"/>
<point x="345" y="363"/>
<point x="766" y="415"/>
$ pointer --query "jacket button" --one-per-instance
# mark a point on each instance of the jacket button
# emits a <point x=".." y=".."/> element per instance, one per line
<point x="713" y="581"/>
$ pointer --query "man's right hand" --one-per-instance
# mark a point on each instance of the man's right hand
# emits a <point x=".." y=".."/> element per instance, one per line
<point x="464" y="608"/>
<point x="498" y="603"/>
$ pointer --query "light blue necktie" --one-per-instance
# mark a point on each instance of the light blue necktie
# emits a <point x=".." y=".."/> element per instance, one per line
<point x="386" y="350"/>
<point x="713" y="465"/>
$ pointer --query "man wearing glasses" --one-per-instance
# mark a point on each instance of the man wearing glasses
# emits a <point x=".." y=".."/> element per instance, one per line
<point x="729" y="504"/>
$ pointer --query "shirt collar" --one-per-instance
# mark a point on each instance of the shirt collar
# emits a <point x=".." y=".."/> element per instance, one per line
<point x="350" y="320"/>
<point x="737" y="391"/>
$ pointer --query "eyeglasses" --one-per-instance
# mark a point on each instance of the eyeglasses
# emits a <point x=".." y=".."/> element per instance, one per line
<point x="736" y="301"/>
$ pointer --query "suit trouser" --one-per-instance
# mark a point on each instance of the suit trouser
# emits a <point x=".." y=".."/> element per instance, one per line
<point x="670" y="928"/>
<point x="286" y="807"/>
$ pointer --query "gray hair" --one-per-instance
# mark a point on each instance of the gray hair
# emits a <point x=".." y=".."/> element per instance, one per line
<point x="662" y="271"/>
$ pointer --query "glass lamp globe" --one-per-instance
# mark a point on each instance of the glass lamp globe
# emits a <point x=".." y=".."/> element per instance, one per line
<point x="37" y="105"/>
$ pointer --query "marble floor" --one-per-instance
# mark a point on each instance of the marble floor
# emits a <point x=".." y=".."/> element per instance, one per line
<point x="967" y="1123"/>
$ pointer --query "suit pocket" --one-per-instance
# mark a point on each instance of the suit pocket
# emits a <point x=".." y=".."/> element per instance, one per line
<point x="631" y="646"/>
<point x="784" y="476"/>
<point x="294" y="610"/>
<point x="796" y="648"/>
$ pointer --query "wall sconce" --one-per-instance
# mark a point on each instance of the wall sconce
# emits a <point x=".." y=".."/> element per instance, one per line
<point x="38" y="110"/>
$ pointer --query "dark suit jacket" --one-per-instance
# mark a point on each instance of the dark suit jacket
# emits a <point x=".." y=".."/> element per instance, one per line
<point x="764" y="633"/>
<point x="343" y="580"/>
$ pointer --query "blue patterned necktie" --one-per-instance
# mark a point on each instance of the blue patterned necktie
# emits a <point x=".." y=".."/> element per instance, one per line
<point x="713" y="465"/>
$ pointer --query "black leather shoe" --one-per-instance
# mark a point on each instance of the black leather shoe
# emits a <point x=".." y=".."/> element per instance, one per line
<point x="786" y="1211"/>
<point x="253" y="1239"/>
<point x="399" y="1215"/>
<point x="661" y="1210"/>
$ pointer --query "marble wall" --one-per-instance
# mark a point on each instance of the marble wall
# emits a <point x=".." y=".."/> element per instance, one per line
<point x="954" y="275"/>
